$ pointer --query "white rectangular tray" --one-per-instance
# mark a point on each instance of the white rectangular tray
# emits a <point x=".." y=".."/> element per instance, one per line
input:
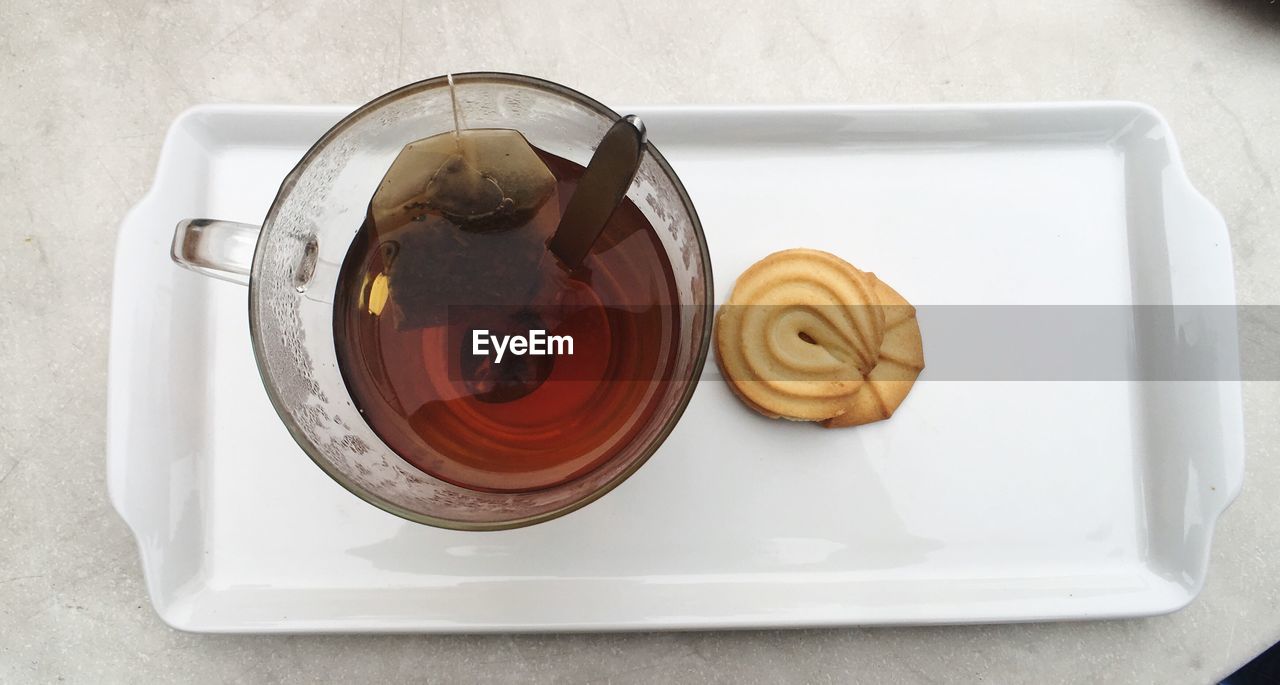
<point x="977" y="502"/>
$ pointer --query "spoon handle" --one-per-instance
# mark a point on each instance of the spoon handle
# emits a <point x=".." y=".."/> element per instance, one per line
<point x="603" y="186"/>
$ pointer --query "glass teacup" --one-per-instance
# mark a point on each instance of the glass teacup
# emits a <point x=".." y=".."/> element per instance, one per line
<point x="297" y="252"/>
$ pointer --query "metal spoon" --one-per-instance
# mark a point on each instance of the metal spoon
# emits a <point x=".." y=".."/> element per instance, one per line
<point x="603" y="186"/>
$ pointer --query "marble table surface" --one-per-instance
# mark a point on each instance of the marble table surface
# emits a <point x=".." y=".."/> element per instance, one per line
<point x="88" y="87"/>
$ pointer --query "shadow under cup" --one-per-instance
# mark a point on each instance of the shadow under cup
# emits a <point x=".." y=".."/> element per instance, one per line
<point x="305" y="237"/>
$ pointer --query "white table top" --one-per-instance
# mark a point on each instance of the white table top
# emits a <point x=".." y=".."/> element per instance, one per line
<point x="86" y="95"/>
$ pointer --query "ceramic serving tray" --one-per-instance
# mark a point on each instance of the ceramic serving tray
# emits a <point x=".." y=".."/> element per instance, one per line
<point x="980" y="501"/>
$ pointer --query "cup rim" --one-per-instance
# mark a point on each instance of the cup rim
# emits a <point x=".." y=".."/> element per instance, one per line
<point x="259" y="354"/>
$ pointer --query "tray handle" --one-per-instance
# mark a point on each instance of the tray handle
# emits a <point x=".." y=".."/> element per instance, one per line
<point x="1200" y="256"/>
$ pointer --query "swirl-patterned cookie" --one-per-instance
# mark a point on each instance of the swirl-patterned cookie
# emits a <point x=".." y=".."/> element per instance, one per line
<point x="806" y="336"/>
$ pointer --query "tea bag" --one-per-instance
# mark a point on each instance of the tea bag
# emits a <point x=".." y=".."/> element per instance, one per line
<point x="450" y="208"/>
<point x="480" y="179"/>
<point x="442" y="274"/>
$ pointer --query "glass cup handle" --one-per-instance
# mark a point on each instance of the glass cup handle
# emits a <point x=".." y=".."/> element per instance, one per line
<point x="221" y="249"/>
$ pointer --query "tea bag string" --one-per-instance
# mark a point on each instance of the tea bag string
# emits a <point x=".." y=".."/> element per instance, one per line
<point x="459" y="120"/>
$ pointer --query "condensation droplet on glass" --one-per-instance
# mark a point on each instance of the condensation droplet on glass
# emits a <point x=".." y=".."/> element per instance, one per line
<point x="307" y="266"/>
